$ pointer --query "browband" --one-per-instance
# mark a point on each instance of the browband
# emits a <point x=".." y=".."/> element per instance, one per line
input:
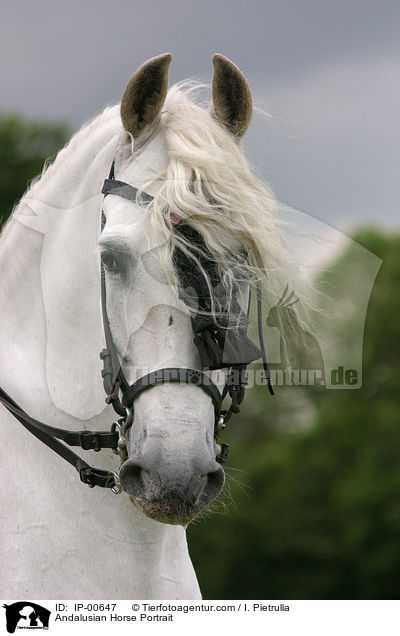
<point x="126" y="191"/>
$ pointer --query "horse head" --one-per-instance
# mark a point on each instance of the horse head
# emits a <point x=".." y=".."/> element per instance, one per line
<point x="170" y="469"/>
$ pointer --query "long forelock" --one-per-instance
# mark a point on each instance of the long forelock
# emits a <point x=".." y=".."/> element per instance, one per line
<point x="209" y="184"/>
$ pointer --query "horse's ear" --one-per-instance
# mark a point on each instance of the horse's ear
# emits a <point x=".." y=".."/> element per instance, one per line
<point x="231" y="96"/>
<point x="145" y="94"/>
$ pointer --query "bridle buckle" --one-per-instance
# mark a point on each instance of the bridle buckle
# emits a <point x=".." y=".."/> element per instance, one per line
<point x="89" y="440"/>
<point x="117" y="488"/>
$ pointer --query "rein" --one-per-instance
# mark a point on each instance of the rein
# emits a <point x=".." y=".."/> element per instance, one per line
<point x="121" y="395"/>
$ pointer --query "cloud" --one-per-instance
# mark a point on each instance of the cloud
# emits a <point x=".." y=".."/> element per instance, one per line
<point x="333" y="149"/>
<point x="347" y="98"/>
<point x="329" y="70"/>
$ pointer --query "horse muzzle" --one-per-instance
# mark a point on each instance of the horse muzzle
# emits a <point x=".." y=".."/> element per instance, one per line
<point x="171" y="494"/>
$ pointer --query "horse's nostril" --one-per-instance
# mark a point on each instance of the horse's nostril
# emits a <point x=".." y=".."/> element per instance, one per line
<point x="215" y="483"/>
<point x="130" y="477"/>
<point x="202" y="490"/>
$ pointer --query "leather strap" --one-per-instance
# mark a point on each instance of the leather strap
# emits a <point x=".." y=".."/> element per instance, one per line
<point x="267" y="368"/>
<point x="48" y="434"/>
<point x="126" y="191"/>
<point x="172" y="374"/>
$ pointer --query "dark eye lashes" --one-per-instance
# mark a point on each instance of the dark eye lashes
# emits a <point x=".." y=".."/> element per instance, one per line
<point x="109" y="261"/>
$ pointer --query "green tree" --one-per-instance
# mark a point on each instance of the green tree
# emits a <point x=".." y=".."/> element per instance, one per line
<point x="24" y="148"/>
<point x="318" y="515"/>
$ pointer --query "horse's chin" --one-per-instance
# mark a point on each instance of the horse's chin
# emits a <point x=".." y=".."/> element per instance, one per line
<point x="165" y="512"/>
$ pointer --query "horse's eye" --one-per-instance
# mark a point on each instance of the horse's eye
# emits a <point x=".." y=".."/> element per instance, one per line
<point x="109" y="261"/>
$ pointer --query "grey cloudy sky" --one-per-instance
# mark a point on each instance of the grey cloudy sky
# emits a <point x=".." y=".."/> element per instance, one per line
<point x="328" y="71"/>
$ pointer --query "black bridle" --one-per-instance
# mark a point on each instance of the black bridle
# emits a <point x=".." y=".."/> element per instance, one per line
<point x="121" y="395"/>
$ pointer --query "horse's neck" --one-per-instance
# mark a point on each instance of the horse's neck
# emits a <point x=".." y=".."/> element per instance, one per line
<point x="75" y="177"/>
<point x="22" y="324"/>
<point x="62" y="539"/>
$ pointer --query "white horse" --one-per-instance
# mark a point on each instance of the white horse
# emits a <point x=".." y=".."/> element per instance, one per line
<point x="61" y="539"/>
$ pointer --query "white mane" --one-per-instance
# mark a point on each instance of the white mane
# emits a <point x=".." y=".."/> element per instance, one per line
<point x="91" y="149"/>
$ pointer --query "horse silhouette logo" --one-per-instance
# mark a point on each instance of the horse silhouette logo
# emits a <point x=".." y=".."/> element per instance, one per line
<point x="26" y="615"/>
<point x="299" y="349"/>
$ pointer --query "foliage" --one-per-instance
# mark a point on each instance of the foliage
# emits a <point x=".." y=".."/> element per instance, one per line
<point x="24" y="147"/>
<point x="318" y="515"/>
